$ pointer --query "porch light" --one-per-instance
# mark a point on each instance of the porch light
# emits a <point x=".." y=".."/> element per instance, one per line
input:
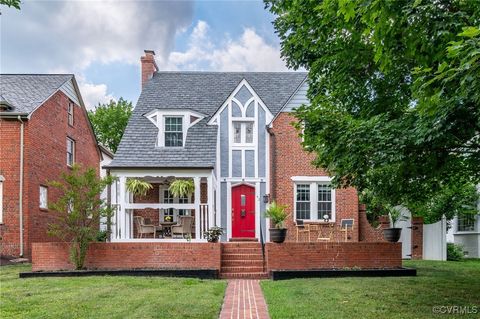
<point x="326" y="218"/>
<point x="266" y="198"/>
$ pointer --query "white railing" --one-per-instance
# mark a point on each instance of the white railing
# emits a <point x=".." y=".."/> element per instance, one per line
<point x="203" y="219"/>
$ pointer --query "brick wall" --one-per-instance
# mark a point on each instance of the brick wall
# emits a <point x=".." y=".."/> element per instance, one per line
<point x="366" y="232"/>
<point x="289" y="159"/>
<point x="417" y="237"/>
<point x="310" y="256"/>
<point x="54" y="256"/>
<point x="44" y="160"/>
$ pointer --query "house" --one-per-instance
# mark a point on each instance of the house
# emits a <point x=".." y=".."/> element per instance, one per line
<point x="44" y="130"/>
<point x="465" y="231"/>
<point x="231" y="133"/>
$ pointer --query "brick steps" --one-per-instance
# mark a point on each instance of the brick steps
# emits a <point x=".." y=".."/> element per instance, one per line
<point x="242" y="260"/>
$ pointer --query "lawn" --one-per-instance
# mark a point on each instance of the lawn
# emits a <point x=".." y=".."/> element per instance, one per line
<point x="436" y="284"/>
<point x="107" y="297"/>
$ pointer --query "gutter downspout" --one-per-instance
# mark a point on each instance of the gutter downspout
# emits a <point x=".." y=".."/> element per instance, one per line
<point x="20" y="204"/>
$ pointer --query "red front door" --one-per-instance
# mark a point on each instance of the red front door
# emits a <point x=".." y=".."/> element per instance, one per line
<point x="243" y="211"/>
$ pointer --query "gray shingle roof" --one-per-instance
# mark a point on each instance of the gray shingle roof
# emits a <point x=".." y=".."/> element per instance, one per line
<point x="25" y="92"/>
<point x="203" y="92"/>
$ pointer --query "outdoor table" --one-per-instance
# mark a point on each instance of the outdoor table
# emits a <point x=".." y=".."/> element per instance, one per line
<point x="167" y="228"/>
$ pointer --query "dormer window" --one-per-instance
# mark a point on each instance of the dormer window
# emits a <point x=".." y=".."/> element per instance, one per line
<point x="173" y="125"/>
<point x="173" y="131"/>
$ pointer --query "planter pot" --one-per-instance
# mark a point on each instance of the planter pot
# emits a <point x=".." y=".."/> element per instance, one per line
<point x="278" y="235"/>
<point x="213" y="241"/>
<point x="392" y="234"/>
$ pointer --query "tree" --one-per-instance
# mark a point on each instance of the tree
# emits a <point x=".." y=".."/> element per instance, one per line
<point x="11" y="3"/>
<point x="78" y="210"/>
<point x="109" y="122"/>
<point x="394" y="89"/>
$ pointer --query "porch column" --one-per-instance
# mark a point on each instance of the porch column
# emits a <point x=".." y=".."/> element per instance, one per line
<point x="196" y="181"/>
<point x="211" y="222"/>
<point x="121" y="208"/>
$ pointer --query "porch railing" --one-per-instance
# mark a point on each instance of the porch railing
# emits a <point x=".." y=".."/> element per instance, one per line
<point x="204" y="222"/>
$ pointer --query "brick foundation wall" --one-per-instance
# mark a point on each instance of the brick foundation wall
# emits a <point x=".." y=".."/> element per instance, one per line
<point x="44" y="161"/>
<point x="54" y="256"/>
<point x="310" y="256"/>
<point x="289" y="159"/>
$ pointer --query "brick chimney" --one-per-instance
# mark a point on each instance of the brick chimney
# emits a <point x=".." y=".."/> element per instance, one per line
<point x="148" y="66"/>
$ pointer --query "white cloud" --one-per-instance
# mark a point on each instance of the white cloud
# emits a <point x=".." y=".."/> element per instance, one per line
<point x="93" y="94"/>
<point x="249" y="53"/>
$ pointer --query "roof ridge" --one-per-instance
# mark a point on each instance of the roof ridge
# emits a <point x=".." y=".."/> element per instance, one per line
<point x="233" y="72"/>
<point x="38" y="74"/>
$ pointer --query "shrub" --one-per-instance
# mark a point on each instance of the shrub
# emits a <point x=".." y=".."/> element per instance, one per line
<point x="454" y="252"/>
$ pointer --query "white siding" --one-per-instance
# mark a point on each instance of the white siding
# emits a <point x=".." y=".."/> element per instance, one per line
<point x="70" y="91"/>
<point x="299" y="98"/>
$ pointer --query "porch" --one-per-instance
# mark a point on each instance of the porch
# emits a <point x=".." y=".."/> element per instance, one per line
<point x="158" y="215"/>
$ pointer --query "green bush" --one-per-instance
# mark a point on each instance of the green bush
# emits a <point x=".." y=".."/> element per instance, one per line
<point x="454" y="252"/>
<point x="102" y="236"/>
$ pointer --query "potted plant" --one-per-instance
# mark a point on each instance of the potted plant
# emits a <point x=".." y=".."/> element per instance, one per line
<point x="392" y="234"/>
<point x="182" y="188"/>
<point x="213" y="234"/>
<point x="277" y="215"/>
<point x="138" y="187"/>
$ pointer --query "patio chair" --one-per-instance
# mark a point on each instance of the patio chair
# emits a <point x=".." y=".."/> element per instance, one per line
<point x="143" y="228"/>
<point x="302" y="228"/>
<point x="184" y="227"/>
<point x="326" y="232"/>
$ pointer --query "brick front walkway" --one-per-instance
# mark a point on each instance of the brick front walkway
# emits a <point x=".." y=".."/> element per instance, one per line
<point x="244" y="300"/>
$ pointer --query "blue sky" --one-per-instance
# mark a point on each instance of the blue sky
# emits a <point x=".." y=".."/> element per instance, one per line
<point x="101" y="41"/>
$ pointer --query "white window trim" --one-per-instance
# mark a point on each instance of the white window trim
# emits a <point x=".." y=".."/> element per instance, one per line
<point x="40" y="197"/>
<point x="313" y="181"/>
<point x="243" y="131"/>
<point x="73" y="151"/>
<point x="2" y="179"/>
<point x="157" y="117"/>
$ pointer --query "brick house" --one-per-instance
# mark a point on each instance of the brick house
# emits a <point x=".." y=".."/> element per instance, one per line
<point x="44" y="129"/>
<point x="231" y="133"/>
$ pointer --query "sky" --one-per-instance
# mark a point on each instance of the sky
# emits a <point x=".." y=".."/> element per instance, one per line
<point x="101" y="41"/>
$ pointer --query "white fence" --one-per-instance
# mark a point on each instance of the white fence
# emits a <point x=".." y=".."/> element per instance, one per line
<point x="435" y="240"/>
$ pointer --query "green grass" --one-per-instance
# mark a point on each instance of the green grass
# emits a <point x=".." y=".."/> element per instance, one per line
<point x="107" y="297"/>
<point x="436" y="284"/>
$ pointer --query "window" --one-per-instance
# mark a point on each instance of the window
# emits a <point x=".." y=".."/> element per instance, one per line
<point x="1" y="198"/>
<point x="43" y="197"/>
<point x="173" y="131"/>
<point x="314" y="201"/>
<point x="70" y="151"/>
<point x="70" y="113"/>
<point x="242" y="132"/>
<point x="303" y="201"/>
<point x="168" y="199"/>
<point x="466" y="223"/>
<point x="324" y="207"/>
<point x="183" y="212"/>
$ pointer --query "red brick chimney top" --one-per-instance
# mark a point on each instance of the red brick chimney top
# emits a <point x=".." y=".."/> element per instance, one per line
<point x="149" y="66"/>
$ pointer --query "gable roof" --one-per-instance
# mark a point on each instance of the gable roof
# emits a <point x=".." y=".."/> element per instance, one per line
<point x="203" y="92"/>
<point x="25" y="92"/>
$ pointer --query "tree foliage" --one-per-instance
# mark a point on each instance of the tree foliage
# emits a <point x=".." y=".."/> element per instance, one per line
<point x="78" y="210"/>
<point x="11" y="3"/>
<point x="394" y="89"/>
<point x="109" y="122"/>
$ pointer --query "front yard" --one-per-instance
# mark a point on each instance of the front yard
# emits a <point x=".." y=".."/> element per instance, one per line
<point x="107" y="297"/>
<point x="436" y="284"/>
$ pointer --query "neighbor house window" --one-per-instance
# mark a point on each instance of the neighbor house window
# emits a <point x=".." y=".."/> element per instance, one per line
<point x="466" y="222"/>
<point x="1" y="198"/>
<point x="242" y="132"/>
<point x="70" y="113"/>
<point x="314" y="201"/>
<point x="173" y="131"/>
<point x="43" y="197"/>
<point x="70" y="151"/>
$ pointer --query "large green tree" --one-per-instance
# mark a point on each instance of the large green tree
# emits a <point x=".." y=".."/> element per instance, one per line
<point x="11" y="3"/>
<point x="110" y="120"/>
<point x="394" y="89"/>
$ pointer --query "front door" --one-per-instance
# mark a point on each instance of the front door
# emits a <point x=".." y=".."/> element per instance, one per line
<point x="243" y="211"/>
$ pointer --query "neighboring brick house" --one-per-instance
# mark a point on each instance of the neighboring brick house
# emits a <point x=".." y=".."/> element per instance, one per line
<point x="231" y="133"/>
<point x="45" y="114"/>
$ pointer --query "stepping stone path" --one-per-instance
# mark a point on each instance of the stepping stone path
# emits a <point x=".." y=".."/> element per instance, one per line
<point x="244" y="300"/>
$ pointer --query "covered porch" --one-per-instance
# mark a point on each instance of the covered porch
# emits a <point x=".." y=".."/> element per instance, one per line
<point x="160" y="216"/>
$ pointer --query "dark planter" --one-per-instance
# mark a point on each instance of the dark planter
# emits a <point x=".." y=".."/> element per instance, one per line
<point x="277" y="235"/>
<point x="213" y="240"/>
<point x="392" y="234"/>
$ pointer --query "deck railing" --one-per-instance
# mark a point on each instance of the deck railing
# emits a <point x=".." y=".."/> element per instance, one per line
<point x="204" y="222"/>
